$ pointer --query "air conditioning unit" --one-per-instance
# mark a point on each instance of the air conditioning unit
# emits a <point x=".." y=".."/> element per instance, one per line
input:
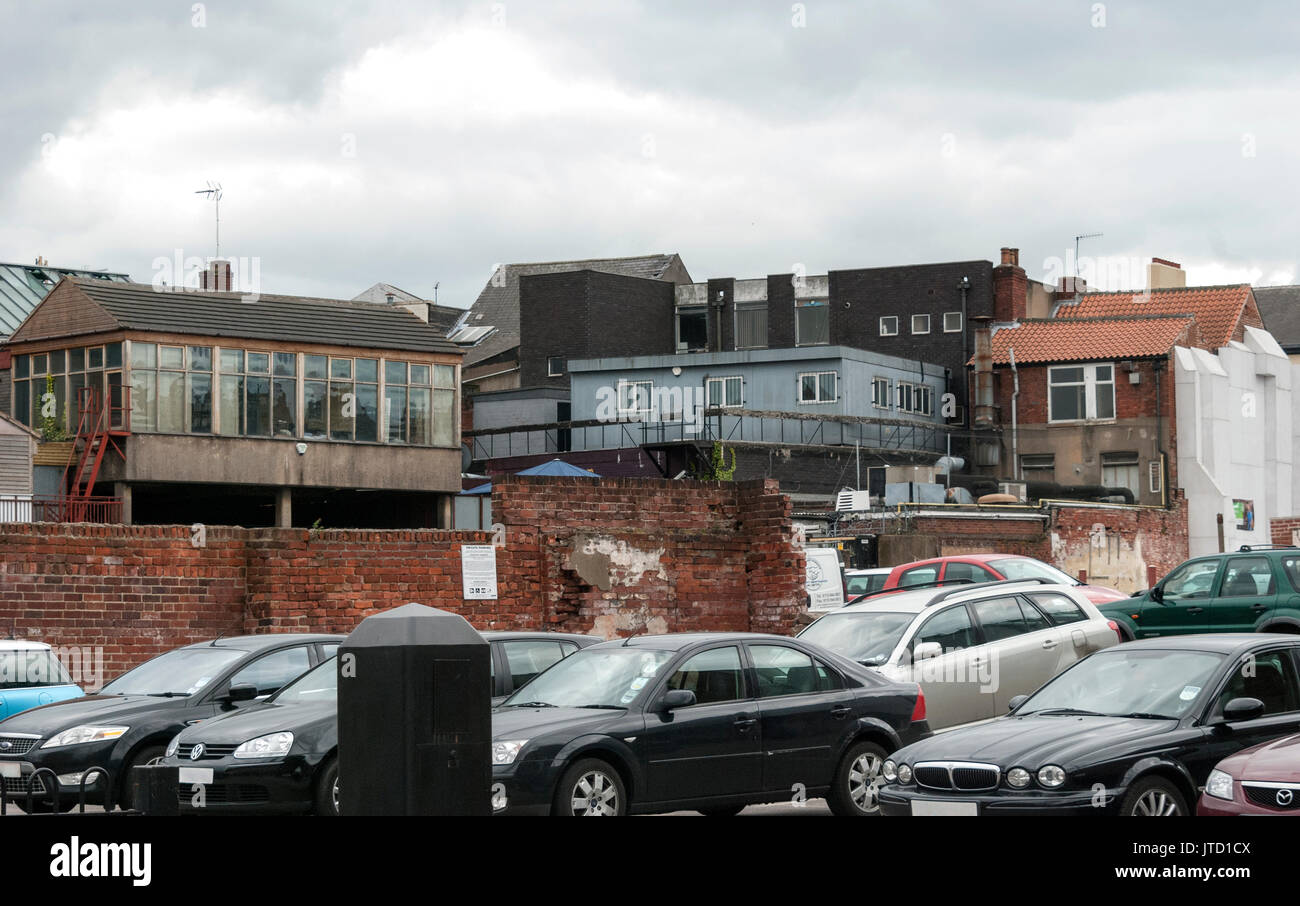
<point x="1016" y="489"/>
<point x="853" y="500"/>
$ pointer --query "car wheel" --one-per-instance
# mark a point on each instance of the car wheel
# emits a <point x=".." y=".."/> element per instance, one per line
<point x="327" y="789"/>
<point x="1153" y="797"/>
<point x="853" y="791"/>
<point x="146" y="756"/>
<point x="590" y="787"/>
<point x="722" y="811"/>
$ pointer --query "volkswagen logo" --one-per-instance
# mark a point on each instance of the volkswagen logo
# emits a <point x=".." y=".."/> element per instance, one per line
<point x="197" y="752"/>
<point x="1284" y="797"/>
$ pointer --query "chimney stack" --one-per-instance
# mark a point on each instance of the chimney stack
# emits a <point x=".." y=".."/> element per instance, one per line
<point x="1069" y="287"/>
<point x="1010" y="288"/>
<point x="217" y="277"/>
<point x="1165" y="274"/>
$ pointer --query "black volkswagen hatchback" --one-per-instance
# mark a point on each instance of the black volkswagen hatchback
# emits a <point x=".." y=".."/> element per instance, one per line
<point x="1131" y="730"/>
<point x="131" y="720"/>
<point x="712" y="722"/>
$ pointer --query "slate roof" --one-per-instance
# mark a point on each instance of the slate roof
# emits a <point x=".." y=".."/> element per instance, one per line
<point x="1279" y="306"/>
<point x="1218" y="309"/>
<point x="442" y="317"/>
<point x="23" y="286"/>
<point x="138" y="306"/>
<point x="497" y="306"/>
<point x="1092" y="339"/>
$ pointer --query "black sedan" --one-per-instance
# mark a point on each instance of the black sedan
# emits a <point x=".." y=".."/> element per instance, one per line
<point x="130" y="721"/>
<point x="281" y="756"/>
<point x="1131" y="730"/>
<point x="711" y="722"/>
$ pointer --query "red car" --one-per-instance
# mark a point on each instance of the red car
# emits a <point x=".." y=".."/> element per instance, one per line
<point x="990" y="568"/>
<point x="1261" y="780"/>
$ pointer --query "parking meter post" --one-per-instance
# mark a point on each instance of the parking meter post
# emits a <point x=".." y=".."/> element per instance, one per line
<point x="414" y="710"/>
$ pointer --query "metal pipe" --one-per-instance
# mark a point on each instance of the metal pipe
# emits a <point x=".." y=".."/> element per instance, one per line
<point x="1015" y="395"/>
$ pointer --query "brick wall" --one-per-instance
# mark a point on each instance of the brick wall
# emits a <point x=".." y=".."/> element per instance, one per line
<point x="1284" y="529"/>
<point x="610" y="557"/>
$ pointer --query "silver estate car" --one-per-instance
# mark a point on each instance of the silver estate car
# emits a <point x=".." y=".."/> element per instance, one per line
<point x="972" y="648"/>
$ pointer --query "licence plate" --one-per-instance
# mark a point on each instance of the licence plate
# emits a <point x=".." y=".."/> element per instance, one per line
<point x="195" y="775"/>
<point x="934" y="807"/>
<point x="10" y="769"/>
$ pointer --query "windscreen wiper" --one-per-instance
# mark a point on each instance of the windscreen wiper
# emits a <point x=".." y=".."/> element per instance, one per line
<point x="533" y="705"/>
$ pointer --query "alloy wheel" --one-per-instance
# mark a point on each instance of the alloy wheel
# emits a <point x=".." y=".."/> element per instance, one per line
<point x="864" y="779"/>
<point x="1155" y="803"/>
<point x="595" y="794"/>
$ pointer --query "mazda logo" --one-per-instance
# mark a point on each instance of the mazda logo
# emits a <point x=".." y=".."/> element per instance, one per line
<point x="1284" y="797"/>
<point x="197" y="752"/>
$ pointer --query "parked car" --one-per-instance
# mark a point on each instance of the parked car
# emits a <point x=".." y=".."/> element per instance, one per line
<point x="1255" y="589"/>
<point x="972" y="648"/>
<point x="709" y="721"/>
<point x="1132" y="730"/>
<point x="990" y="568"/>
<point x="1262" y="780"/>
<point x="130" y="721"/>
<point x="31" y="675"/>
<point x="280" y="756"/>
<point x="865" y="581"/>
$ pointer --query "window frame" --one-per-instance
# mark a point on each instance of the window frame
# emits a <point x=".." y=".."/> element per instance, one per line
<point x="818" y="401"/>
<point x="642" y="414"/>
<point x="889" y="333"/>
<point x="724" y="381"/>
<point x="914" y="331"/>
<point x="822" y="305"/>
<point x="950" y="314"/>
<point x="1089" y="384"/>
<point x="877" y="383"/>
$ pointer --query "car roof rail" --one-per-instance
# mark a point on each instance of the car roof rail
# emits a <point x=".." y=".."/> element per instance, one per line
<point x="914" y="587"/>
<point x="979" y="586"/>
<point x="1247" y="548"/>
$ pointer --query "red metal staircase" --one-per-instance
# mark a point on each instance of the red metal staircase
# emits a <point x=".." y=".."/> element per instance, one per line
<point x="99" y="428"/>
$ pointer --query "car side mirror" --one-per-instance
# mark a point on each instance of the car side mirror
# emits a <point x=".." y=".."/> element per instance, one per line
<point x="241" y="692"/>
<point x="1158" y="594"/>
<point x="1240" y="709"/>
<point x="927" y="650"/>
<point x="677" y="698"/>
<point x="1016" y="702"/>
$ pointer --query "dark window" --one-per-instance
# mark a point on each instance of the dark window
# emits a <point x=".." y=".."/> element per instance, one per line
<point x="368" y="412"/>
<point x="367" y="370"/>
<point x="783" y="671"/>
<point x="285" y="407"/>
<point x="951" y="628"/>
<point x="555" y="366"/>
<point x="286" y="364"/>
<point x="971" y="571"/>
<point x="1001" y="619"/>
<point x="918" y="575"/>
<point x="259" y="406"/>
<point x="200" y="403"/>
<point x="751" y="327"/>
<point x="828" y="678"/>
<point x="273" y="671"/>
<point x="315" y="366"/>
<point x="315" y="415"/>
<point x="812" y="323"/>
<point x="1269" y="677"/>
<point x="1061" y="609"/>
<point x="692" y="329"/>
<point x="1247" y="577"/>
<point x="714" y="676"/>
<point x="526" y="659"/>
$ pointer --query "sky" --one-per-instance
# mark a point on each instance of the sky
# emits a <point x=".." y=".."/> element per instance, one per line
<point x="418" y="143"/>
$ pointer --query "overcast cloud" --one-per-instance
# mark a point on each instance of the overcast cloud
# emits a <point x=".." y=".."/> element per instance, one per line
<point x="421" y="142"/>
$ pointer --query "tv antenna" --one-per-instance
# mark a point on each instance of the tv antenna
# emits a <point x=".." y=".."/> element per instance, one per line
<point x="214" y="190"/>
<point x="1076" y="248"/>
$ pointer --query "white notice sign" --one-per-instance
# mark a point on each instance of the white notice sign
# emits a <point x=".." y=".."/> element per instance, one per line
<point x="478" y="571"/>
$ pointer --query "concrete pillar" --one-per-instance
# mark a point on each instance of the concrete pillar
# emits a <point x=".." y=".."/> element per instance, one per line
<point x="122" y="490"/>
<point x="284" y="507"/>
<point x="445" y="513"/>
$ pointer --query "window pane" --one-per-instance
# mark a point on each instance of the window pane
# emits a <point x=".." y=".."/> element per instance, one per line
<point x="144" y="401"/>
<point x="367" y="412"/>
<point x="143" y="355"/>
<point x="200" y="358"/>
<point x="420" y="416"/>
<point x="200" y="403"/>
<point x="827" y="387"/>
<point x="444" y="418"/>
<point x="286" y="364"/>
<point x="420" y="375"/>
<point x="527" y="659"/>
<point x="77" y="359"/>
<point x="258" y="406"/>
<point x="813" y="325"/>
<point x="284" y="406"/>
<point x="751" y="328"/>
<point x="714" y="393"/>
<point x="714" y="676"/>
<point x="1067" y="403"/>
<point x="1001" y="619"/>
<point x="231" y="403"/>
<point x="57" y="362"/>
<point x="395" y="414"/>
<point x="23" y="402"/>
<point x="273" y="671"/>
<point x="782" y="671"/>
<point x="259" y="363"/>
<point x="313" y="405"/>
<point x="171" y="402"/>
<point x="1103" y="372"/>
<point x="75" y="384"/>
<point x="395" y="372"/>
<point x="1105" y="400"/>
<point x="232" y="362"/>
<point x="96" y="357"/>
<point x="22" y="366"/>
<point x="808" y="388"/>
<point x="340" y="368"/>
<point x="444" y="376"/>
<point x="314" y="366"/>
<point x="343" y="408"/>
<point x="692" y="329"/>
<point x="1061" y="609"/>
<point x="951" y="629"/>
<point x="1067" y="375"/>
<point x="113" y="355"/>
<point x="367" y="370"/>
<point x="172" y="357"/>
<point x="734" y="387"/>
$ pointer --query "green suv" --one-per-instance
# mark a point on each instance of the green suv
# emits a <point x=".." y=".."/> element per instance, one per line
<point x="1256" y="589"/>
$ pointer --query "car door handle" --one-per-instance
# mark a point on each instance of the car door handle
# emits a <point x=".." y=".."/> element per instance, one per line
<point x="1259" y="607"/>
<point x="1049" y="643"/>
<point x="1196" y="610"/>
<point x="744" y="723"/>
<point x="840" y="712"/>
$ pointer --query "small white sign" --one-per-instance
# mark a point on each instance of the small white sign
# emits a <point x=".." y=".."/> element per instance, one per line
<point x="195" y="775"/>
<point x="478" y="571"/>
<point x="11" y="769"/>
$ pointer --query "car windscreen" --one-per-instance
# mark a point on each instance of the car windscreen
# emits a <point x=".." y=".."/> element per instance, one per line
<point x="1125" y="682"/>
<point x="593" y="678"/>
<point x="31" y="667"/>
<point x="868" y="637"/>
<point x="1020" y="568"/>
<point x="184" y="671"/>
<point x="319" y="684"/>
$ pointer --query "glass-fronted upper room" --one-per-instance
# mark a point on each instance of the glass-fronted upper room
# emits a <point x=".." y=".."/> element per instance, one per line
<point x="244" y="391"/>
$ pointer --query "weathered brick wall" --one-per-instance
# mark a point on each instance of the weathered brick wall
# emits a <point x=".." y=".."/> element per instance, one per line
<point x="608" y="557"/>
<point x="1283" y="530"/>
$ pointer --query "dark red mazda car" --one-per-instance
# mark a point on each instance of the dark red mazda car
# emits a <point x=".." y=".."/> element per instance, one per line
<point x="1261" y="780"/>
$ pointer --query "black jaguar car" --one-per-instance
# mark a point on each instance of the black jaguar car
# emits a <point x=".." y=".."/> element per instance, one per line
<point x="711" y="722"/>
<point x="1131" y="730"/>
<point x="131" y="720"/>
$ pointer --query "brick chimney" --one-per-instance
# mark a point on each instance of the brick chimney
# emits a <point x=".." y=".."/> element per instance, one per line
<point x="1165" y="274"/>
<point x="217" y="278"/>
<point x="1010" y="287"/>
<point x="1069" y="287"/>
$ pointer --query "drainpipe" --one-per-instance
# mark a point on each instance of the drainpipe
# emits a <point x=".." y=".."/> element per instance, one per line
<point x="1015" y="395"/>
<point x="1159" y="366"/>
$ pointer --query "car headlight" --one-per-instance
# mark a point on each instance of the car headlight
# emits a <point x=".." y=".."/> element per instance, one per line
<point x="1018" y="778"/>
<point x="1051" y="776"/>
<point x="904" y="774"/>
<point x="889" y="770"/>
<point x="507" y="750"/>
<point x="79" y="735"/>
<point x="1219" y="785"/>
<point x="173" y="746"/>
<point x="273" y="745"/>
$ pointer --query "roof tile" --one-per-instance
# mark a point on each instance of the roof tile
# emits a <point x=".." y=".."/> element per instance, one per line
<point x="1092" y="339"/>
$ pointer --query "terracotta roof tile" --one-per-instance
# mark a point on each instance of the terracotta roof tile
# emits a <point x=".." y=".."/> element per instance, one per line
<point x="1092" y="339"/>
<point x="1217" y="309"/>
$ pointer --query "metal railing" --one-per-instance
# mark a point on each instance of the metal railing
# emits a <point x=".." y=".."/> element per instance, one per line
<point x="61" y="508"/>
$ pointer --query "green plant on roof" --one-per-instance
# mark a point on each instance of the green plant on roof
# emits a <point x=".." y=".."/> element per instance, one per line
<point x="717" y="469"/>
<point x="51" y="424"/>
